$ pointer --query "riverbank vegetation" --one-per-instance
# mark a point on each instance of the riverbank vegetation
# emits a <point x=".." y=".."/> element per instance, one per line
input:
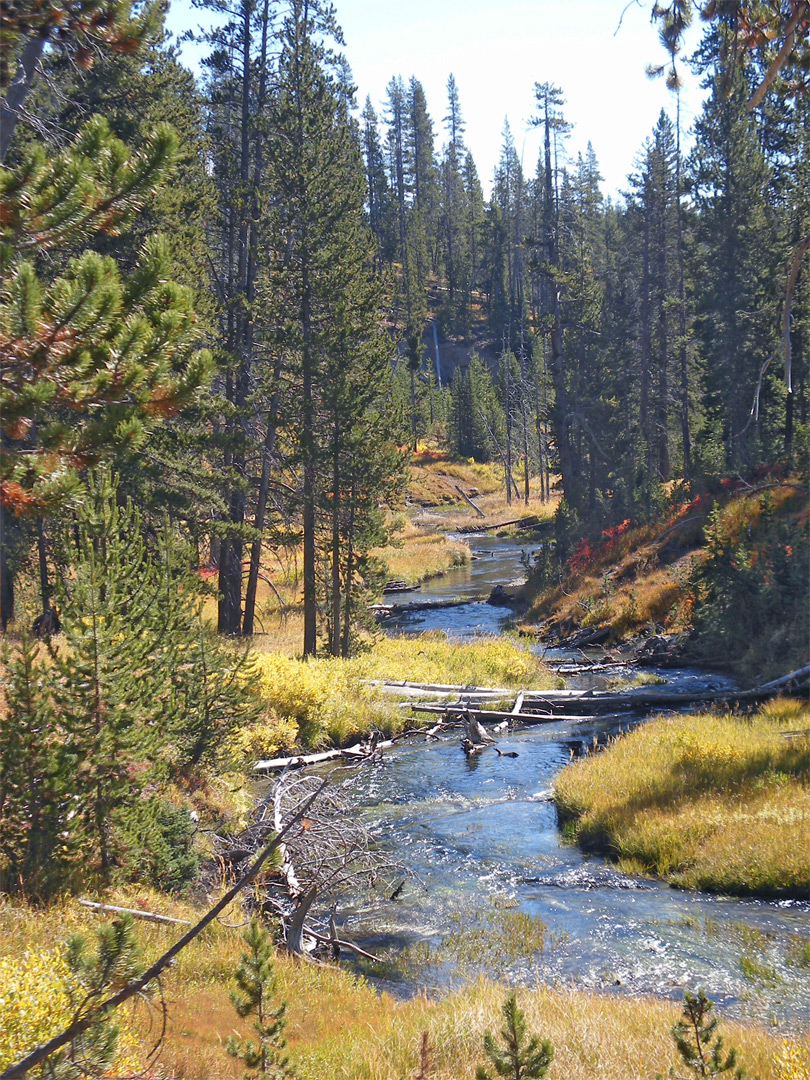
<point x="329" y="702"/>
<point x="714" y="802"/>
<point x="330" y="1013"/>
<point x="729" y="570"/>
<point x="231" y="307"/>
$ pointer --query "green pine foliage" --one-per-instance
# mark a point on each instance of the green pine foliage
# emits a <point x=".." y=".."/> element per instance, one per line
<point x="522" y="1056"/>
<point x="264" y="1058"/>
<point x="134" y="695"/>
<point x="37" y="840"/>
<point x="701" y="1049"/>
<point x="476" y="419"/>
<point x="99" y="968"/>
<point x="91" y="358"/>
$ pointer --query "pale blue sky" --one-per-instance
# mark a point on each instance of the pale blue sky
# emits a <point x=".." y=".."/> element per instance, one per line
<point x="497" y="51"/>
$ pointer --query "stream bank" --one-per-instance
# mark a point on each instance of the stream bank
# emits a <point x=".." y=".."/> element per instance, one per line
<point x="505" y="895"/>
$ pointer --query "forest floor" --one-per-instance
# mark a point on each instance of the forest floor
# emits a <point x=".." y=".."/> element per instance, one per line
<point x="340" y="1026"/>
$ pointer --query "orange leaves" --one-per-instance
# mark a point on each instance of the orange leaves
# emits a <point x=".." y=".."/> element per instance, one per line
<point x="16" y="499"/>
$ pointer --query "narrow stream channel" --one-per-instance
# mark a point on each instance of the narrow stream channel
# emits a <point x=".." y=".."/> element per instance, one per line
<point x="502" y="893"/>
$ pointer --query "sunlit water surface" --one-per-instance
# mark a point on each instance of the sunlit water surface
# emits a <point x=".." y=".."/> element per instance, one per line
<point x="481" y="838"/>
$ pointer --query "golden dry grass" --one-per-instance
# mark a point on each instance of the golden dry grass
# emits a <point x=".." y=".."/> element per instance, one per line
<point x="419" y="553"/>
<point x="339" y="1027"/>
<point x="330" y="701"/>
<point x="719" y="803"/>
<point x="639" y="580"/>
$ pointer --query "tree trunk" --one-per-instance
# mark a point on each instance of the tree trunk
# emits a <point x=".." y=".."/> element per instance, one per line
<point x="19" y="91"/>
<point x="6" y="575"/>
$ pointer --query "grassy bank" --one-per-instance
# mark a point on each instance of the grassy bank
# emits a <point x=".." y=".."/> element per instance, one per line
<point x="419" y="553"/>
<point x="728" y="568"/>
<point x="332" y="701"/>
<point x="717" y="803"/>
<point x="339" y="1026"/>
<point x="436" y="478"/>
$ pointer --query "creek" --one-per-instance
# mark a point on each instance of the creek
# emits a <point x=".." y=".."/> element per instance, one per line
<point x="499" y="891"/>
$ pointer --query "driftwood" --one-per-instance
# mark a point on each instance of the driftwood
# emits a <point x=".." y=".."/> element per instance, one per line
<point x="529" y="522"/>
<point x="444" y="688"/>
<point x="399" y="586"/>
<point x="387" y="611"/>
<point x="607" y="700"/>
<point x="474" y="732"/>
<point x="361" y="751"/>
<point x="498" y="714"/>
<point x="136" y="913"/>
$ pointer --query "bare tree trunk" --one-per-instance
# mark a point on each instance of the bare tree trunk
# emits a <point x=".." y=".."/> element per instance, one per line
<point x="6" y="576"/>
<point x="42" y="559"/>
<point x="19" y="91"/>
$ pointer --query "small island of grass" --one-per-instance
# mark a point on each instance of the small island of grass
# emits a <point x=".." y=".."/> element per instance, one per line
<point x="719" y="803"/>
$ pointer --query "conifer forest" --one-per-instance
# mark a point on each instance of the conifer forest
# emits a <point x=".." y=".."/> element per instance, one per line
<point x="271" y="354"/>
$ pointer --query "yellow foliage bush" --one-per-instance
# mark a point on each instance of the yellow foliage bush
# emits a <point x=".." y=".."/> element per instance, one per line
<point x="269" y="736"/>
<point x="35" y="1002"/>
<point x="792" y="1062"/>
<point x="326" y="699"/>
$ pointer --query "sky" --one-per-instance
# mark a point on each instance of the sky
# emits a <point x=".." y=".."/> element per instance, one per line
<point x="497" y="50"/>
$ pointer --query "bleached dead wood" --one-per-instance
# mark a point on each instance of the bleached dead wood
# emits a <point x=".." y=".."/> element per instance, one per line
<point x="467" y="498"/>
<point x="85" y="1020"/>
<point x="357" y="752"/>
<point x="446" y="688"/>
<point x="136" y="913"/>
<point x="499" y="714"/>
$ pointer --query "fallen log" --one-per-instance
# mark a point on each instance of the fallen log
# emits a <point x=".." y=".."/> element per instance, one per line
<point x="599" y="700"/>
<point x="498" y="714"/>
<point x="443" y="687"/>
<point x="387" y="611"/>
<point x="399" y="586"/>
<point x="136" y="913"/>
<point x="359" y="752"/>
<point x="530" y="522"/>
<point x="330" y="940"/>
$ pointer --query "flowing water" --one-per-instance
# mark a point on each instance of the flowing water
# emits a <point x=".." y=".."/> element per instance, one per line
<point x="498" y="890"/>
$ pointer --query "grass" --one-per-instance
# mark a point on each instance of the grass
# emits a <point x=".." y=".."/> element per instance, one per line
<point x="338" y="1026"/>
<point x="716" y="803"/>
<point x="636" y="580"/>
<point x="330" y="702"/>
<point x="419" y="553"/>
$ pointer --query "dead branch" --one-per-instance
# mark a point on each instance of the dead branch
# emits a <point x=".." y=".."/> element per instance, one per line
<point x="82" y="1024"/>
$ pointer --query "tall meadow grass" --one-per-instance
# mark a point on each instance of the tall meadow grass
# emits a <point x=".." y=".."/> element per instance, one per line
<point x="712" y="802"/>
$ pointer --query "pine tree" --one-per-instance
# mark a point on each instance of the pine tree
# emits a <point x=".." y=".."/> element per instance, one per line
<point x="38" y="843"/>
<point x="75" y="27"/>
<point x="700" y="1048"/>
<point x="737" y="311"/>
<point x="92" y="359"/>
<point x="333" y="333"/>
<point x="265" y="1058"/>
<point x="523" y="1057"/>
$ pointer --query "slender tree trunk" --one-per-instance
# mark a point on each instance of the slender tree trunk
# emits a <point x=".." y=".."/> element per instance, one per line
<point x="42" y="559"/>
<point x="644" y="404"/>
<point x="261" y="505"/>
<point x="336" y="606"/>
<point x="19" y="90"/>
<point x="348" y="595"/>
<point x="6" y="576"/>
<point x="508" y="403"/>
<point x="683" y="354"/>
